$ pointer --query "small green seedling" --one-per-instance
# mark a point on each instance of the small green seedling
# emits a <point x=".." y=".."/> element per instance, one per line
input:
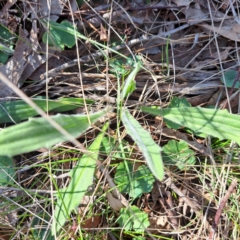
<point x="133" y="218"/>
<point x="179" y="154"/>
<point x="59" y="37"/>
<point x="135" y="183"/>
<point x="230" y="77"/>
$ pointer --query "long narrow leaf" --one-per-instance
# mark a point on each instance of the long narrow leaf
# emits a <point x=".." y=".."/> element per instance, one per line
<point x="81" y="178"/>
<point x="129" y="84"/>
<point x="38" y="132"/>
<point x="150" y="150"/>
<point x="217" y="123"/>
<point x="19" y="110"/>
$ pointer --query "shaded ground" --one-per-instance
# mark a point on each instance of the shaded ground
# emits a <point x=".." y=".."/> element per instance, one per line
<point x="185" y="47"/>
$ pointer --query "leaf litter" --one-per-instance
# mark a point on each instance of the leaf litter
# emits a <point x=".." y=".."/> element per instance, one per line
<point x="187" y="48"/>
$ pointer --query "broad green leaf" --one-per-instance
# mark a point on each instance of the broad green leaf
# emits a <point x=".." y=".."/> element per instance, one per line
<point x="177" y="103"/>
<point x="229" y="79"/>
<point x="217" y="123"/>
<point x="179" y="154"/>
<point x="59" y="36"/>
<point x="38" y="132"/>
<point x="19" y="110"/>
<point x="81" y="178"/>
<point x="150" y="150"/>
<point x="133" y="218"/>
<point x="130" y="84"/>
<point x="7" y="171"/>
<point x="140" y="181"/>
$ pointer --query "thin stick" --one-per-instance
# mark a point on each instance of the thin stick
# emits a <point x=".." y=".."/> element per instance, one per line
<point x="221" y="206"/>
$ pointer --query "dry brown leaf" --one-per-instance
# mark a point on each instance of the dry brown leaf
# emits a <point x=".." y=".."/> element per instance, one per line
<point x="92" y="222"/>
<point x="43" y="9"/>
<point x="8" y="216"/>
<point x="103" y="34"/>
<point x="225" y="4"/>
<point x="34" y="36"/>
<point x="195" y="14"/>
<point x="213" y="58"/>
<point x="155" y="193"/>
<point x="8" y="5"/>
<point x="85" y="201"/>
<point x="16" y="65"/>
<point x="73" y="5"/>
<point x="35" y="60"/>
<point x="115" y="203"/>
<point x="229" y="29"/>
<point x="158" y="222"/>
<point x="182" y="2"/>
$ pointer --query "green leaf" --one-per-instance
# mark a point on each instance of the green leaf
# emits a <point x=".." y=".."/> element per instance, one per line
<point x="3" y="57"/>
<point x="6" y="44"/>
<point x="19" y="110"/>
<point x="59" y="36"/>
<point x="38" y="132"/>
<point x="139" y="238"/>
<point x="73" y="32"/>
<point x="150" y="150"/>
<point x="130" y="84"/>
<point x="79" y="3"/>
<point x="133" y="218"/>
<point x="179" y="154"/>
<point x="120" y="66"/>
<point x="117" y="67"/>
<point x="39" y="231"/>
<point x="81" y="178"/>
<point x="6" y="49"/>
<point x="7" y="171"/>
<point x="217" y="123"/>
<point x="111" y="146"/>
<point x="135" y="183"/>
<point x="229" y="79"/>
<point x="177" y="103"/>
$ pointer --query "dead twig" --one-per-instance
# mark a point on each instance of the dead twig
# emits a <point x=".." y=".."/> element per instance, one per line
<point x="99" y="54"/>
<point x="220" y="209"/>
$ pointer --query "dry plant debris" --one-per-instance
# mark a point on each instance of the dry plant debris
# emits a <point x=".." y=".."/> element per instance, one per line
<point x="185" y="47"/>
